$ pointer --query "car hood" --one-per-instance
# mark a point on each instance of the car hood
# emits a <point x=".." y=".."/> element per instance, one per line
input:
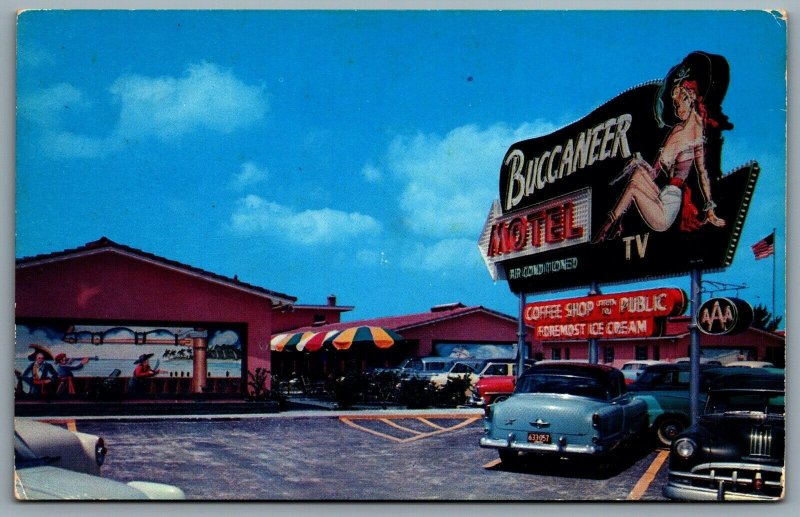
<point x="761" y="439"/>
<point x="547" y="412"/>
<point x="51" y="483"/>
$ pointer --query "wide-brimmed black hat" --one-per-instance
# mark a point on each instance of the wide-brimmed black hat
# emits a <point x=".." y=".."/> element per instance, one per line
<point x="711" y="74"/>
<point x="143" y="358"/>
<point x="39" y="349"/>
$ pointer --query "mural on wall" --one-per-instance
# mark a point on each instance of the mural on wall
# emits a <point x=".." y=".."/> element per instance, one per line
<point x="48" y="355"/>
<point x="476" y="350"/>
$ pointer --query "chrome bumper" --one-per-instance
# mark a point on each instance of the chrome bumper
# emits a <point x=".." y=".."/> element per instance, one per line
<point x="692" y="493"/>
<point x="723" y="482"/>
<point x="553" y="448"/>
<point x="476" y="401"/>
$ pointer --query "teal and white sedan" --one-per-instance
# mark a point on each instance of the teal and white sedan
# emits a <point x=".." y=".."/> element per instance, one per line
<point x="565" y="409"/>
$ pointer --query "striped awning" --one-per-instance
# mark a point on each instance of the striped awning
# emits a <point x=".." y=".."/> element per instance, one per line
<point x="287" y="341"/>
<point x="338" y="339"/>
<point x="365" y="335"/>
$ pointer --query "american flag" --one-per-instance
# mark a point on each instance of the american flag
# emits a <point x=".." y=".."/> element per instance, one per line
<point x="765" y="247"/>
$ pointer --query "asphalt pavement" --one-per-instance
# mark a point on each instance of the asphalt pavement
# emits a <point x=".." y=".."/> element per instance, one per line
<point x="367" y="455"/>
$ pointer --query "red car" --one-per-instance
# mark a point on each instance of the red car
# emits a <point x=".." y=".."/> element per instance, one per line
<point x="496" y="383"/>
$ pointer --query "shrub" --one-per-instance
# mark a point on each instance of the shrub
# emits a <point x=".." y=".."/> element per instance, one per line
<point x="455" y="392"/>
<point x="257" y="390"/>
<point x="382" y="387"/>
<point x="416" y="393"/>
<point x="349" y="388"/>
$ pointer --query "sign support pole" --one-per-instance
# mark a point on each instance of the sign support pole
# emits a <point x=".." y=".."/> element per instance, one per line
<point x="694" y="347"/>
<point x="521" y="335"/>
<point x="593" y="342"/>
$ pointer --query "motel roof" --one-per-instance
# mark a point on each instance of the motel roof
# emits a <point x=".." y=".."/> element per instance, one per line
<point x="105" y="245"/>
<point x="404" y="322"/>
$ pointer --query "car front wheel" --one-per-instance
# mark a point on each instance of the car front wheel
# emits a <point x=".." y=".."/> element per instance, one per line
<point x="668" y="429"/>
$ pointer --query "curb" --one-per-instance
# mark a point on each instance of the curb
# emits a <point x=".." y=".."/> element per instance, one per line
<point x="354" y="414"/>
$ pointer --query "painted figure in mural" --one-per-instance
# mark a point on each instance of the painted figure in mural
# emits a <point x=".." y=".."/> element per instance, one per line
<point x="682" y="152"/>
<point x="142" y="373"/>
<point x="64" y="368"/>
<point x="40" y="374"/>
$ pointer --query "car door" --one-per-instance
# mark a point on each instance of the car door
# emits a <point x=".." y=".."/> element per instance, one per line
<point x="634" y="412"/>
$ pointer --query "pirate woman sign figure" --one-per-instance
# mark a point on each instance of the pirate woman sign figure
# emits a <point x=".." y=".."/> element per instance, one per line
<point x="564" y="216"/>
<point x="661" y="192"/>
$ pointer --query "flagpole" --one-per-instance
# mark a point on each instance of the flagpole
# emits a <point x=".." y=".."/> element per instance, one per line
<point x="774" y="252"/>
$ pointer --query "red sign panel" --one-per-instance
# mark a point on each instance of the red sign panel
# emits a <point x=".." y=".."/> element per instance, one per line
<point x="631" y="314"/>
<point x="639" y="327"/>
<point x="650" y="303"/>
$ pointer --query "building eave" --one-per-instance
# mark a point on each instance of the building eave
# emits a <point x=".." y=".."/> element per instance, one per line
<point x="107" y="246"/>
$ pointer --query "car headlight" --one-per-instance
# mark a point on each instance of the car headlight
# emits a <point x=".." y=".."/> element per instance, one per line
<point x="685" y="447"/>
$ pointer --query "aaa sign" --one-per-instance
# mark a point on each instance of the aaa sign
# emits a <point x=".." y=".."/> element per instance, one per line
<point x="720" y="316"/>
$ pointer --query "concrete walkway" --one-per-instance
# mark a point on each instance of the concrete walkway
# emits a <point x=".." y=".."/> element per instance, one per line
<point x="298" y="408"/>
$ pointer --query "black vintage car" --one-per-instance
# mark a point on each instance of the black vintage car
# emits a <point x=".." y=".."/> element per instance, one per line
<point x="736" y="449"/>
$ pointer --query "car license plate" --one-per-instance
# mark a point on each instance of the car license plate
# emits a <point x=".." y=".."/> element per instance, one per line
<point x="543" y="438"/>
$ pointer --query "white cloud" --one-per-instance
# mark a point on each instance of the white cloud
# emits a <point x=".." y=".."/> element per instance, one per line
<point x="250" y="174"/>
<point x="449" y="183"/>
<point x="205" y="97"/>
<point x="46" y="107"/>
<point x="454" y="255"/>
<point x="254" y="215"/>
<point x="371" y="173"/>
<point x="451" y="180"/>
<point x="227" y="337"/>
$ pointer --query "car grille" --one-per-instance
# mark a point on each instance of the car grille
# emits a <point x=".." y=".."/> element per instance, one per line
<point x="761" y="441"/>
<point x="735" y="477"/>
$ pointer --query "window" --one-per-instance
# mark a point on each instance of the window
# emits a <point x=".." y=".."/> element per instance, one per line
<point x="608" y="354"/>
<point x="555" y="354"/>
<point x="566" y="353"/>
<point x="435" y="366"/>
<point x="656" y="353"/>
<point x="641" y="353"/>
<point x="461" y="368"/>
<point x="496" y="369"/>
<point x="615" y="386"/>
<point x="563" y="384"/>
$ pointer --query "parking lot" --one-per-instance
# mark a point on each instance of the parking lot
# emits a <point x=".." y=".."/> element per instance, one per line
<point x="363" y="456"/>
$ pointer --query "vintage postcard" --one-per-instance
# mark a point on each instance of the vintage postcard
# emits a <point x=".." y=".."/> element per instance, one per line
<point x="400" y="255"/>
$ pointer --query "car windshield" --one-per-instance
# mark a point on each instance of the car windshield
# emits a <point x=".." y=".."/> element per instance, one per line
<point x="495" y="369"/>
<point x="25" y="457"/>
<point x="461" y="368"/>
<point x="562" y="384"/>
<point x="436" y="367"/>
<point x="746" y="402"/>
<point x="412" y="364"/>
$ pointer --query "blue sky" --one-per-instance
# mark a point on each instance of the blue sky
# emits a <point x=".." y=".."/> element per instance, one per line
<point x="354" y="153"/>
